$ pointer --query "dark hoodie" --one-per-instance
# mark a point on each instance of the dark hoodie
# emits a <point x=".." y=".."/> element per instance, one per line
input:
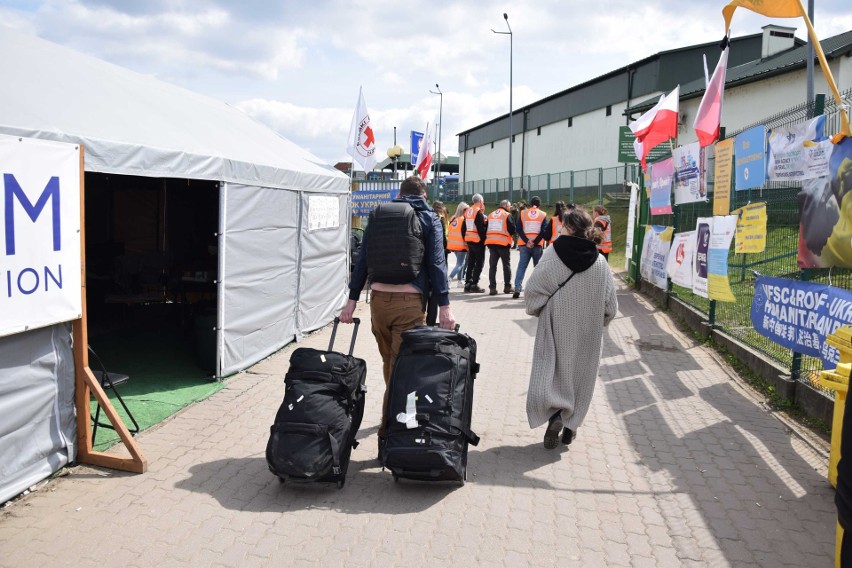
<point x="576" y="253"/>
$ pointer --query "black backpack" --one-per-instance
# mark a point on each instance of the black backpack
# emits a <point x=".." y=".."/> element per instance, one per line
<point x="395" y="248"/>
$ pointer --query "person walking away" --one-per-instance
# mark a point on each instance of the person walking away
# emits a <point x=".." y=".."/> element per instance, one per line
<point x="456" y="243"/>
<point x="400" y="289"/>
<point x="473" y="232"/>
<point x="573" y="297"/>
<point x="531" y="235"/>
<point x="554" y="224"/>
<point x="432" y="308"/>
<point x="498" y="239"/>
<point x="604" y="224"/>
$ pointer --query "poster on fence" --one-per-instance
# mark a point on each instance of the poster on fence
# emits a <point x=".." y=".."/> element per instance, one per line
<point x="679" y="263"/>
<point x="799" y="152"/>
<point x="655" y="251"/>
<point x="661" y="187"/>
<point x="689" y="180"/>
<point x="751" y="228"/>
<point x="800" y="315"/>
<point x="703" y="228"/>
<point x="722" y="185"/>
<point x="825" y="213"/>
<point x="750" y="154"/>
<point x="721" y="235"/>
<point x="631" y="223"/>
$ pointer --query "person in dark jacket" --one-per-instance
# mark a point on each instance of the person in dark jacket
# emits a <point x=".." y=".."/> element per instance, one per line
<point x="473" y="232"/>
<point x="396" y="308"/>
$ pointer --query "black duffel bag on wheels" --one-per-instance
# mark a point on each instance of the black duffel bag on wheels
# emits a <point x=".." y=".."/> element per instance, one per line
<point x="430" y="403"/>
<point x="315" y="427"/>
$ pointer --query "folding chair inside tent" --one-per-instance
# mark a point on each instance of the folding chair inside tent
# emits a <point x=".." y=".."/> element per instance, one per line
<point x="109" y="380"/>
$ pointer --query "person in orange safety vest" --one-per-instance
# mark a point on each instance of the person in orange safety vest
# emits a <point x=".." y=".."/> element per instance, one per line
<point x="532" y="234"/>
<point x="604" y="224"/>
<point x="498" y="239"/>
<point x="473" y="232"/>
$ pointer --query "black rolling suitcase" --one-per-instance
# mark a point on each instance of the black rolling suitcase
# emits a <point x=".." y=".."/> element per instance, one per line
<point x="430" y="402"/>
<point x="315" y="427"/>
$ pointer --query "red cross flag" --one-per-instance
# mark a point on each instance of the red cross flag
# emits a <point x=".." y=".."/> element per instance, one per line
<point x="424" y="155"/>
<point x="362" y="142"/>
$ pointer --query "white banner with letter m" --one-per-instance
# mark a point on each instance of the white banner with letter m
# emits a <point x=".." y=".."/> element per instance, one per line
<point x="40" y="264"/>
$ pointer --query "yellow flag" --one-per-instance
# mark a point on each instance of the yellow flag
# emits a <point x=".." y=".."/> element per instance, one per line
<point x="770" y="8"/>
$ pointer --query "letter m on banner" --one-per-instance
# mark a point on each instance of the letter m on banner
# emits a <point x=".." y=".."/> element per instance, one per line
<point x="13" y="191"/>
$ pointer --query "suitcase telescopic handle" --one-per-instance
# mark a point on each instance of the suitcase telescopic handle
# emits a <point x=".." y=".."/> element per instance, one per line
<point x="357" y="322"/>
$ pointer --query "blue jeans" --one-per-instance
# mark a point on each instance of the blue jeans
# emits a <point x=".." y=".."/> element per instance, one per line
<point x="526" y="254"/>
<point x="458" y="270"/>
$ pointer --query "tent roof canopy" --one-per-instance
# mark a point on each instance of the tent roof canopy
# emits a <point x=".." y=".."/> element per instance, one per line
<point x="137" y="125"/>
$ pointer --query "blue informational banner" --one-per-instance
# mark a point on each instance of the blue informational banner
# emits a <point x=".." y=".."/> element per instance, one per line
<point x="366" y="198"/>
<point x="800" y="315"/>
<point x="416" y="140"/>
<point x="750" y="154"/>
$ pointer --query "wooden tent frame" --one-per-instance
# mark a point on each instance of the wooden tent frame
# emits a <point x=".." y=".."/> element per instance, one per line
<point x="85" y="383"/>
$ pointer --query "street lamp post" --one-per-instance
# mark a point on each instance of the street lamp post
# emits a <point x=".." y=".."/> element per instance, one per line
<point x="440" y="125"/>
<point x="509" y="33"/>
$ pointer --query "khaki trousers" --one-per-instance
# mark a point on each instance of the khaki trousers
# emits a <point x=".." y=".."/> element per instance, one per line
<point x="391" y="314"/>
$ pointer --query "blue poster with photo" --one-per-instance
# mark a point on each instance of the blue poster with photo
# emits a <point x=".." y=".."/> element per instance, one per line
<point x="800" y="315"/>
<point x="750" y="157"/>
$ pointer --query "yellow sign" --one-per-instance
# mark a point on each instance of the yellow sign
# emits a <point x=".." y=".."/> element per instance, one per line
<point x="722" y="188"/>
<point x="751" y="229"/>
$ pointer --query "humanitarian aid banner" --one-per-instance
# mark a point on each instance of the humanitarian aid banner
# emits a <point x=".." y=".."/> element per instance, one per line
<point x="800" y="315"/>
<point x="40" y="273"/>
<point x="721" y="235"/>
<point x="751" y="228"/>
<point x="367" y="196"/>
<point x="689" y="178"/>
<point x="722" y="169"/>
<point x="661" y="187"/>
<point x="825" y="213"/>
<point x="679" y="263"/>
<point x="799" y="152"/>
<point x="703" y="229"/>
<point x="750" y="154"/>
<point x="658" y="241"/>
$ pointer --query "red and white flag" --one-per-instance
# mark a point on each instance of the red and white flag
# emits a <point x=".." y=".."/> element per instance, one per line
<point x="424" y="155"/>
<point x="656" y="126"/>
<point x="362" y="142"/>
<point x="709" y="116"/>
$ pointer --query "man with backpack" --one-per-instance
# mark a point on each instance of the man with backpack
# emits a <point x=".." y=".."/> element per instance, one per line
<point x="402" y="252"/>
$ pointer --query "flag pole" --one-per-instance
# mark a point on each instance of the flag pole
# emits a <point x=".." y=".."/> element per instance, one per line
<point x="823" y="63"/>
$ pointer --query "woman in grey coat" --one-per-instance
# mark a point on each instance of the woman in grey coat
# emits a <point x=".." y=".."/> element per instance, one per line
<point x="572" y="293"/>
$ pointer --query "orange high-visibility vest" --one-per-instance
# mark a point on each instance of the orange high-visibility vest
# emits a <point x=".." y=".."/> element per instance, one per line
<point x="471" y="235"/>
<point x="555" y="227"/>
<point x="531" y="220"/>
<point x="498" y="228"/>
<point x="455" y="241"/>
<point x="606" y="243"/>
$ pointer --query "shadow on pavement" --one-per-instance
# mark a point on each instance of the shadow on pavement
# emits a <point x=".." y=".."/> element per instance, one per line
<point x="510" y="465"/>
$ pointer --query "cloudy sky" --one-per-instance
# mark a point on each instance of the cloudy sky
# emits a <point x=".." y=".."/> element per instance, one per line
<point x="297" y="65"/>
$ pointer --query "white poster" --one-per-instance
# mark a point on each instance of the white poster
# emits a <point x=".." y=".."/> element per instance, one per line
<point x="631" y="222"/>
<point x="703" y="231"/>
<point x="679" y="264"/>
<point x="689" y="179"/>
<point x="40" y="243"/>
<point x="323" y="212"/>
<point x="655" y="249"/>
<point x="800" y="152"/>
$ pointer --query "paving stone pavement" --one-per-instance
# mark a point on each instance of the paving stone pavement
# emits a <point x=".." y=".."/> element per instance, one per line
<point x="677" y="464"/>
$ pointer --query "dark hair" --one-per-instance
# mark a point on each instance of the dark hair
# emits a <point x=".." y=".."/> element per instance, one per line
<point x="412" y="185"/>
<point x="599" y="209"/>
<point x="535" y="201"/>
<point x="580" y="223"/>
<point x="570" y="205"/>
<point x="558" y="209"/>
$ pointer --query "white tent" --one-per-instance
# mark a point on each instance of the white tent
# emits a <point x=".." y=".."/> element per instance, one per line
<point x="282" y="238"/>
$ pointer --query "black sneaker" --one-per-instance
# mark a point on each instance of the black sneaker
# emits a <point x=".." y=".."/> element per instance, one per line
<point x="492" y="291"/>
<point x="516" y="295"/>
<point x="567" y="436"/>
<point x="551" y="435"/>
<point x="477" y="289"/>
<point x="467" y="288"/>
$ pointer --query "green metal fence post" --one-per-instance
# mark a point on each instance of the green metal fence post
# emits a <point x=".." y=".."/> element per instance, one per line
<point x="572" y="185"/>
<point x="600" y="186"/>
<point x="548" y="189"/>
<point x="796" y="364"/>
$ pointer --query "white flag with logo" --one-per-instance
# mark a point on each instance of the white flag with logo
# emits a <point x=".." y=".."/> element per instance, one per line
<point x="362" y="143"/>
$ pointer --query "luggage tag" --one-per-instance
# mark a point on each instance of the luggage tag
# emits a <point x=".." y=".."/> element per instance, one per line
<point x="409" y="417"/>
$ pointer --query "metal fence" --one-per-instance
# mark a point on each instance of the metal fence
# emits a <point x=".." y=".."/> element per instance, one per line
<point x="780" y="256"/>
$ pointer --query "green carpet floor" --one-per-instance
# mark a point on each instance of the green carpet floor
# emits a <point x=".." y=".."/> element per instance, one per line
<point x="164" y="376"/>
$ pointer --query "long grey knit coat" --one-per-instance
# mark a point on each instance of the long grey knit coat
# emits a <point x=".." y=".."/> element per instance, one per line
<point x="570" y="330"/>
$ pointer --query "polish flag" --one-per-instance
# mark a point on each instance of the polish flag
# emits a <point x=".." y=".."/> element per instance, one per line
<point x="424" y="155"/>
<point x="656" y="126"/>
<point x="362" y="141"/>
<point x="709" y="116"/>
